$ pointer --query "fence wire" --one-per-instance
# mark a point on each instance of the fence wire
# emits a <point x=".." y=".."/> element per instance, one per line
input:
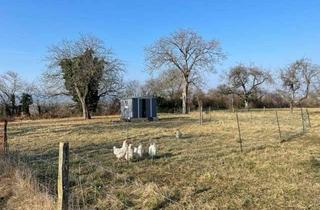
<point x="255" y="129"/>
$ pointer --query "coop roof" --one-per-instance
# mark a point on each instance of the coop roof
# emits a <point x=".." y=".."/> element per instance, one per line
<point x="140" y="97"/>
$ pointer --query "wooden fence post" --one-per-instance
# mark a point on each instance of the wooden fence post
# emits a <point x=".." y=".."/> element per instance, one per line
<point x="302" y="120"/>
<point x="63" y="176"/>
<point x="240" y="139"/>
<point x="210" y="113"/>
<point x="308" y="118"/>
<point x="278" y="125"/>
<point x="4" y="139"/>
<point x="200" y="113"/>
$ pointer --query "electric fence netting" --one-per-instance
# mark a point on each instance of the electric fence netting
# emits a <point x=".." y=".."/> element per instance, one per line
<point x="98" y="181"/>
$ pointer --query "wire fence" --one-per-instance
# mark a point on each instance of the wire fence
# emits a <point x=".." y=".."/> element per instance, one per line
<point x="93" y="179"/>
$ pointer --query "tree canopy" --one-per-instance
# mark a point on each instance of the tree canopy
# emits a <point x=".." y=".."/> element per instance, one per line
<point x="85" y="70"/>
<point x="246" y="81"/>
<point x="187" y="52"/>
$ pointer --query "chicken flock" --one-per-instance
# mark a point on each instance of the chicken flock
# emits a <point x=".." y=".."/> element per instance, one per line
<point x="128" y="153"/>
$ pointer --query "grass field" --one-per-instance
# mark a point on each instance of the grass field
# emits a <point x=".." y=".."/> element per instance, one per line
<point x="203" y="170"/>
<point x="19" y="189"/>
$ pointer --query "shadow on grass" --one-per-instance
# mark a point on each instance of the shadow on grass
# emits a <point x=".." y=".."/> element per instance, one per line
<point x="157" y="157"/>
<point x="315" y="166"/>
<point x="167" y="201"/>
<point x="292" y="137"/>
<point x="99" y="127"/>
<point x="44" y="166"/>
<point x="315" y="163"/>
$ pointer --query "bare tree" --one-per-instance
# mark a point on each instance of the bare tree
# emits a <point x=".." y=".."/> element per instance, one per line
<point x="187" y="52"/>
<point x="152" y="87"/>
<point x="296" y="80"/>
<point x="245" y="81"/>
<point x="132" y="88"/>
<point x="10" y="85"/>
<point x="168" y="85"/>
<point x="85" y="70"/>
<point x="227" y="90"/>
<point x="171" y="83"/>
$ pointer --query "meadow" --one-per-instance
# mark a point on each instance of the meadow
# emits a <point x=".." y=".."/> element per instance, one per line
<point x="203" y="170"/>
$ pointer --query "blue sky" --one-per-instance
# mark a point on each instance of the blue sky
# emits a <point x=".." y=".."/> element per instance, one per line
<point x="268" y="33"/>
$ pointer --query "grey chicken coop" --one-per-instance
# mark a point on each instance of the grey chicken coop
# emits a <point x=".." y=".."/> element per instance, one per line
<point x="139" y="108"/>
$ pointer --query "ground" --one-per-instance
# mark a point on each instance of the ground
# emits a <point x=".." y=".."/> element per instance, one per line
<point x="203" y="170"/>
<point x="20" y="190"/>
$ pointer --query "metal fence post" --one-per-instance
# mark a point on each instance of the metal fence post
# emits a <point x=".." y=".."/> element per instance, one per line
<point x="278" y="125"/>
<point x="302" y="120"/>
<point x="239" y="131"/>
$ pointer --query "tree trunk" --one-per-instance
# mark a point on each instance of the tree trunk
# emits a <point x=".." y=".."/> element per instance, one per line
<point x="291" y="107"/>
<point x="185" y="98"/>
<point x="292" y="101"/>
<point x="246" y="104"/>
<point x="5" y="110"/>
<point x="84" y="106"/>
<point x="232" y="103"/>
<point x="85" y="111"/>
<point x="13" y="104"/>
<point x="39" y="109"/>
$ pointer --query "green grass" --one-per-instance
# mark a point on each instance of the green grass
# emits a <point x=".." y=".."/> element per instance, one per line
<point x="203" y="170"/>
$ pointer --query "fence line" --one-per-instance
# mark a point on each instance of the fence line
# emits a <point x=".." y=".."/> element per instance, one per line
<point x="280" y="138"/>
<point x="239" y="132"/>
<point x="63" y="176"/>
<point x="4" y="139"/>
<point x="115" y="173"/>
<point x="304" y="118"/>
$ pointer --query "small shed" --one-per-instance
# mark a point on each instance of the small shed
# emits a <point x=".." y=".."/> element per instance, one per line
<point x="139" y="108"/>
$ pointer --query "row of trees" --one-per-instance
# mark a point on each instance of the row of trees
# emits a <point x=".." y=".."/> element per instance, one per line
<point x="296" y="80"/>
<point x="244" y="86"/>
<point x="86" y="71"/>
<point x="14" y="98"/>
<point x="185" y="57"/>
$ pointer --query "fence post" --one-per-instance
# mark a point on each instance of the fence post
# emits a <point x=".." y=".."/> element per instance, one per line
<point x="232" y="102"/>
<point x="200" y="114"/>
<point x="210" y="113"/>
<point x="278" y="125"/>
<point x="240" y="139"/>
<point x="63" y="176"/>
<point x="4" y="140"/>
<point x="308" y="118"/>
<point x="127" y="130"/>
<point x="302" y="120"/>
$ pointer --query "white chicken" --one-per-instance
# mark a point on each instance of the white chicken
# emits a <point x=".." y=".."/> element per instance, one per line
<point x="140" y="151"/>
<point x="129" y="153"/>
<point x="135" y="150"/>
<point x="120" y="152"/>
<point x="178" y="134"/>
<point x="152" y="150"/>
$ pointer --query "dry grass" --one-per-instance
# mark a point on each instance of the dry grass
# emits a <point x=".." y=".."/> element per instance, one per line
<point x="203" y="170"/>
<point x="19" y="190"/>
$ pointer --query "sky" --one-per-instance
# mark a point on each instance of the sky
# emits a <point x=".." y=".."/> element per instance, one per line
<point x="267" y="33"/>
